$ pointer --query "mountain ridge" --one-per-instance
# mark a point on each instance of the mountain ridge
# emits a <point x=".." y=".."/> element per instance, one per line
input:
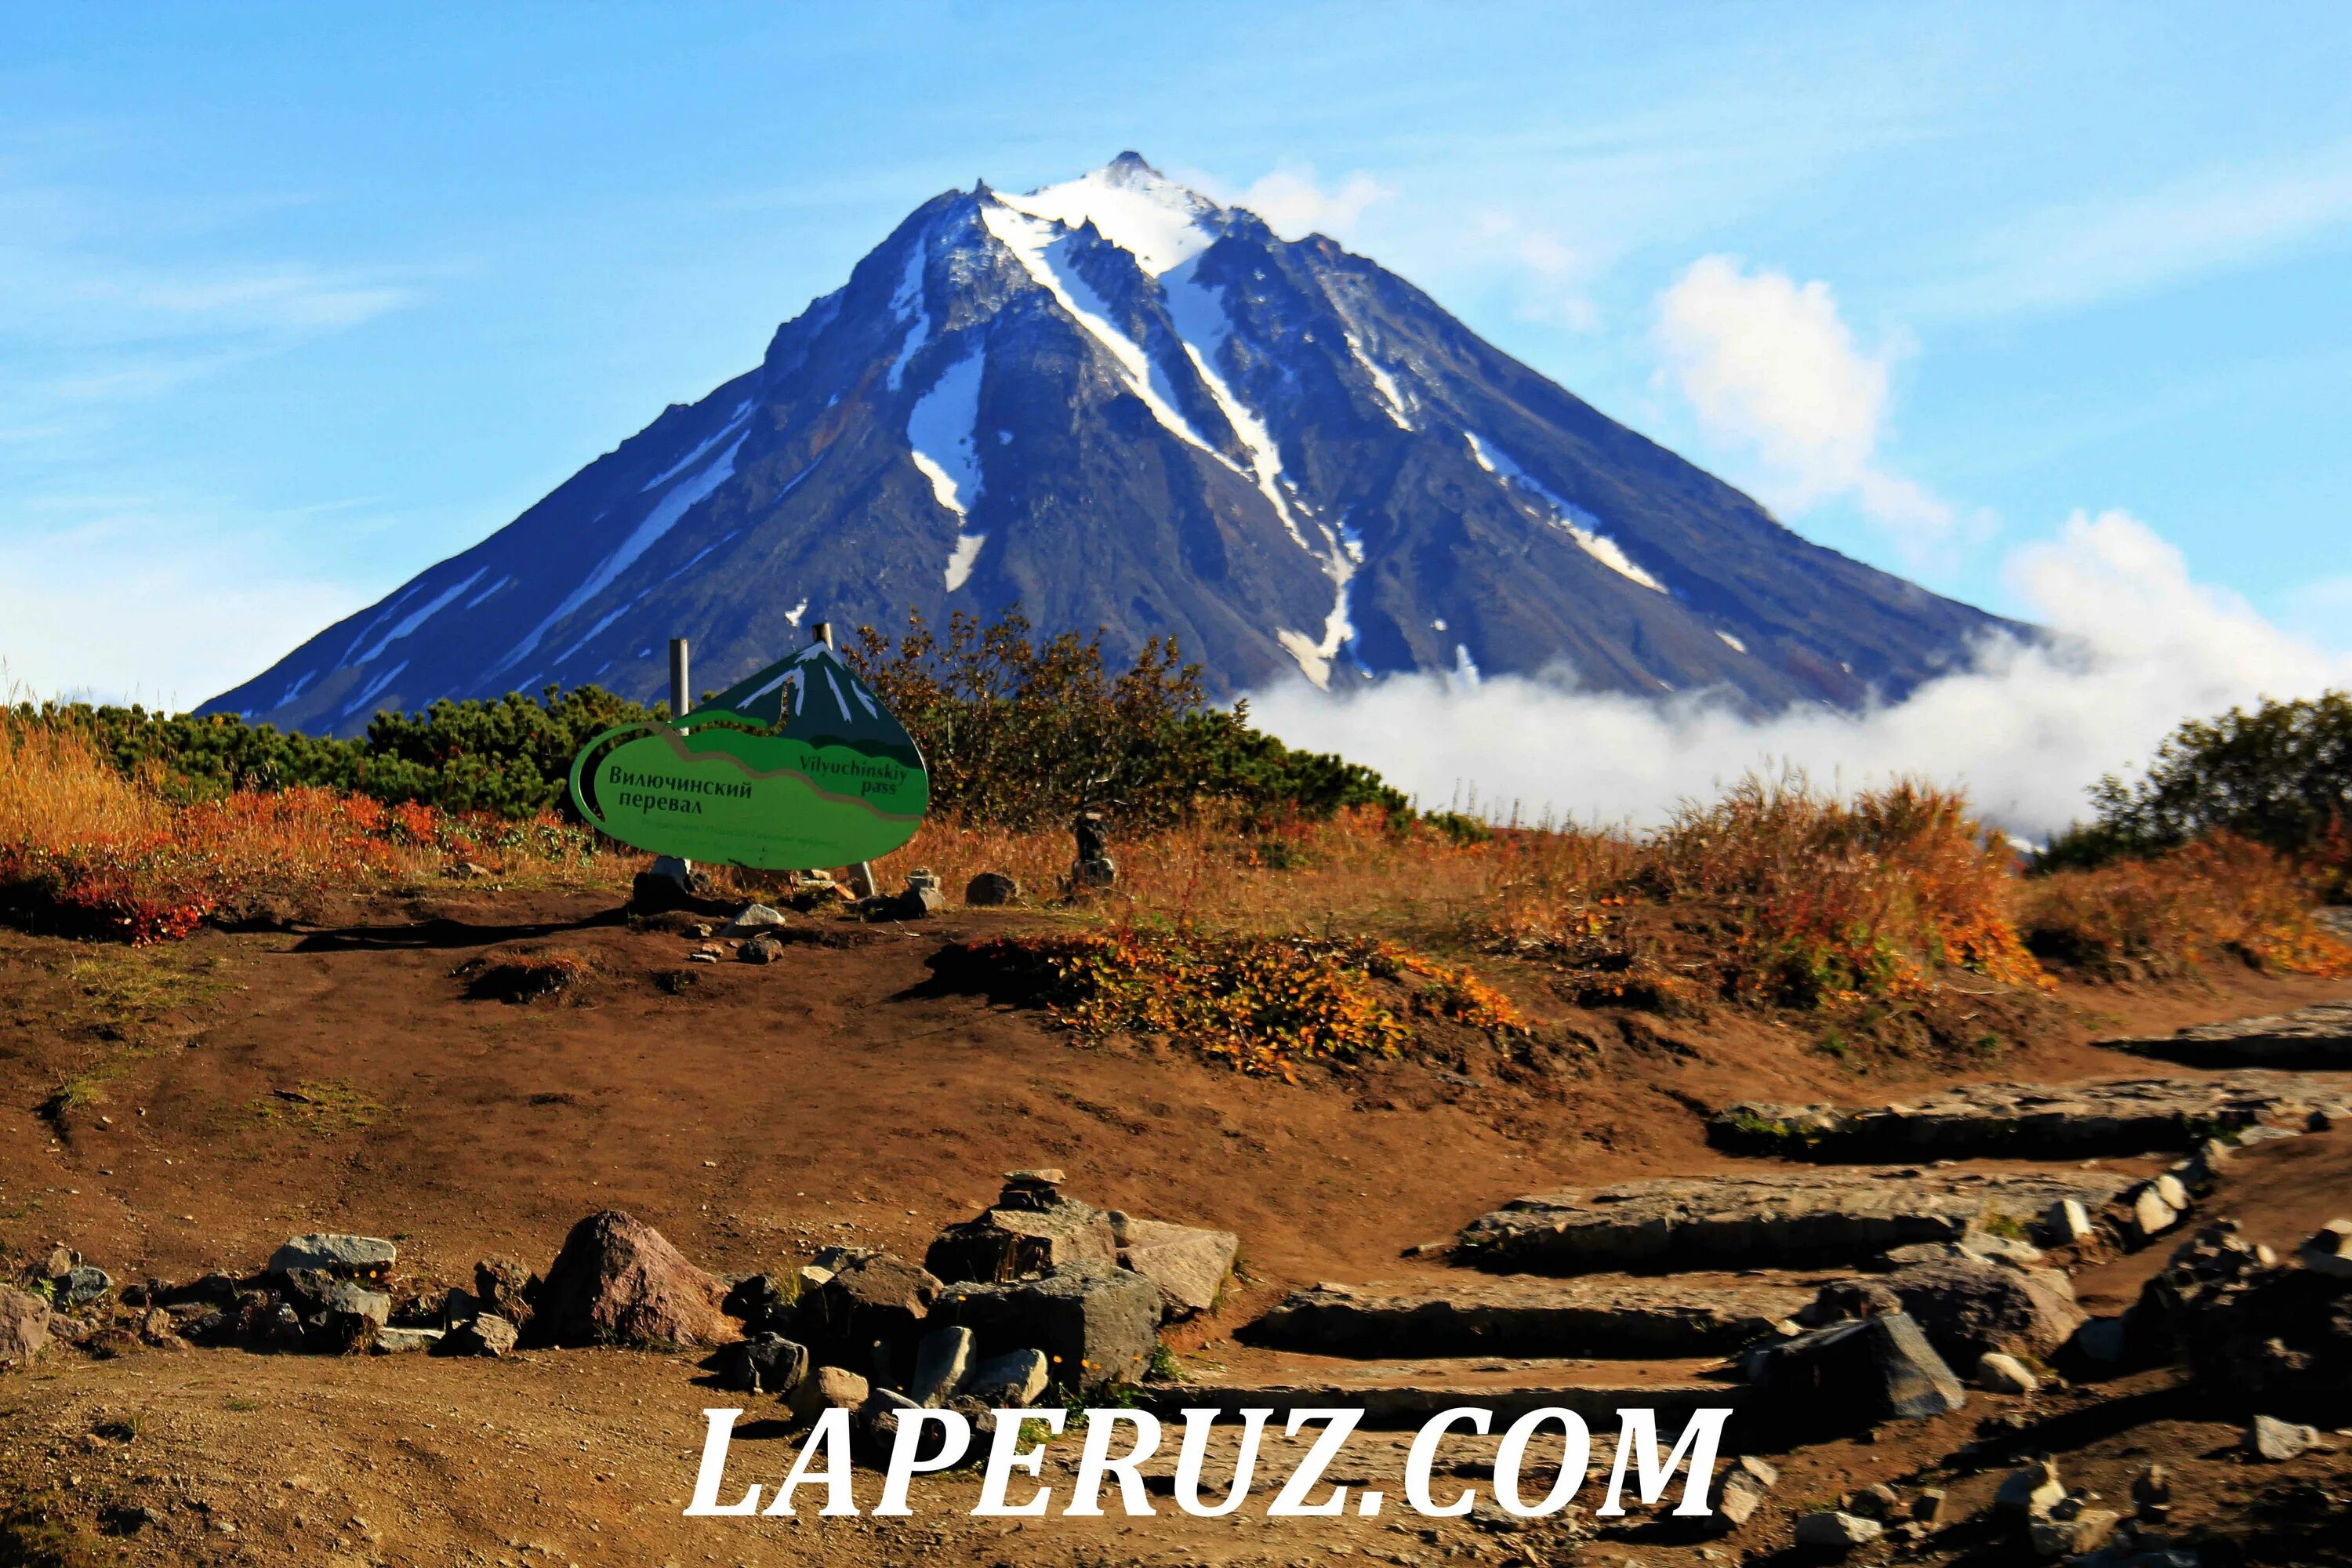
<point x="1122" y="405"/>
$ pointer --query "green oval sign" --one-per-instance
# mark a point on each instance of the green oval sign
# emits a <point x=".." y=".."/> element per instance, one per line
<point x="840" y="781"/>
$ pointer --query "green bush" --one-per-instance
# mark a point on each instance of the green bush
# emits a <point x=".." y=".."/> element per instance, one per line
<point x="2281" y="775"/>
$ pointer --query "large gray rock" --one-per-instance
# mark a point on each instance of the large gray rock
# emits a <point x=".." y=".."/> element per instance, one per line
<point x="1676" y="1315"/>
<point x="1189" y="1264"/>
<point x="2031" y="1121"/>
<point x="619" y="1281"/>
<point x="872" y="1306"/>
<point x="2268" y="1437"/>
<point x="1854" y="1376"/>
<point x="354" y="1257"/>
<point x="1836" y="1531"/>
<point x="1967" y="1308"/>
<point x="828" y="1388"/>
<point x="764" y="1363"/>
<point x="1027" y="1231"/>
<point x="1096" y="1324"/>
<point x="25" y="1322"/>
<point x="1784" y="1219"/>
<point x="82" y="1285"/>
<point x="484" y="1334"/>
<point x="942" y="1360"/>
<point x="1015" y="1378"/>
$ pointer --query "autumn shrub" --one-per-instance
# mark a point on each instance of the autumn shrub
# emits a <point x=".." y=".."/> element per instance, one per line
<point x="2218" y="898"/>
<point x="1822" y="899"/>
<point x="1263" y="1003"/>
<point x="87" y="850"/>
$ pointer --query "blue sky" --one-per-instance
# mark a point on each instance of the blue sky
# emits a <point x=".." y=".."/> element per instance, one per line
<point x="295" y="301"/>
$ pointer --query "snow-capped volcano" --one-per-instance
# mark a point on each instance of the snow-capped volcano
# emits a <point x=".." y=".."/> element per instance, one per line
<point x="1123" y="405"/>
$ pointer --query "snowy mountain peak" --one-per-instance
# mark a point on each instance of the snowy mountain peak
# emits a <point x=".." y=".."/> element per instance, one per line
<point x="1158" y="222"/>
<point x="1120" y="405"/>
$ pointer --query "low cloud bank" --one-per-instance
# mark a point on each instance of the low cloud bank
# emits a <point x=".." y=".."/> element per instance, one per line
<point x="2138" y="647"/>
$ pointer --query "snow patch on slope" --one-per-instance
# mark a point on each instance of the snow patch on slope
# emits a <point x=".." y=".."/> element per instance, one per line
<point x="409" y="622"/>
<point x="375" y="687"/>
<point x="1203" y="326"/>
<point x="1040" y="244"/>
<point x="696" y="455"/>
<point x="942" y="436"/>
<point x="908" y="304"/>
<point x="1391" y="398"/>
<point x="1569" y="517"/>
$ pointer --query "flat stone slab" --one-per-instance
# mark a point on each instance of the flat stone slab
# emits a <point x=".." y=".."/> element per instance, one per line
<point x="1407" y="1396"/>
<point x="2026" y="1121"/>
<point x="1530" y="1316"/>
<point x="2318" y="1036"/>
<point x="1784" y="1219"/>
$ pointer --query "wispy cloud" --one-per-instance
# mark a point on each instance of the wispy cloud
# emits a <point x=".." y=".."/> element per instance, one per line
<point x="1768" y="366"/>
<point x="2214" y="221"/>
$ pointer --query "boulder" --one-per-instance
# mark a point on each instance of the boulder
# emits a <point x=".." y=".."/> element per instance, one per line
<point x="877" y="1418"/>
<point x="619" y="1281"/>
<point x="942" y="1360"/>
<point x="1027" y="1231"/>
<point x="2066" y="1223"/>
<point x="668" y="884"/>
<point x="352" y="1257"/>
<point x="25" y="1322"/>
<point x="505" y="1286"/>
<point x="759" y="949"/>
<point x="827" y="1388"/>
<point x="2268" y="1437"/>
<point x="1854" y="1376"/>
<point x="1096" y="1324"/>
<point x="1016" y="1378"/>
<point x="990" y="889"/>
<point x="487" y="1334"/>
<point x="1189" y="1265"/>
<point x="869" y="1312"/>
<point x="1999" y="1374"/>
<point x="1927" y="1507"/>
<point x="400" y="1342"/>
<point x="1835" y="1530"/>
<point x="764" y="1363"/>
<point x="339" y="1315"/>
<point x="2148" y="1215"/>
<point x="2329" y="1251"/>
<point x="1968" y="1307"/>
<point x="760" y="1301"/>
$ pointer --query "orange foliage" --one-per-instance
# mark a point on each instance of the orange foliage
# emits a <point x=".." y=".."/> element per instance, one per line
<point x="2222" y="895"/>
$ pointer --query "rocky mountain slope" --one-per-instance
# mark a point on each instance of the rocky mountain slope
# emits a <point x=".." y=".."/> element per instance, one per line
<point x="1122" y="405"/>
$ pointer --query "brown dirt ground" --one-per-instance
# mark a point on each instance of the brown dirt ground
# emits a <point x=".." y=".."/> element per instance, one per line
<point x="237" y="1088"/>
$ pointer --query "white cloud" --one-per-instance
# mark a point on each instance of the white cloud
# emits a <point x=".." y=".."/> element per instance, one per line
<point x="1768" y="364"/>
<point x="1294" y="204"/>
<point x="2139" y="646"/>
<point x="127" y="604"/>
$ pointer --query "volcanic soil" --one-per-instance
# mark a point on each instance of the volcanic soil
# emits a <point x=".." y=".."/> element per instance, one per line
<point x="177" y="1109"/>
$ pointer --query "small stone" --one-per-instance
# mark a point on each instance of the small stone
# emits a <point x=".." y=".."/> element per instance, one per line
<point x="60" y="1262"/>
<point x="759" y="949"/>
<point x="398" y="1341"/>
<point x="2151" y="1217"/>
<point x="1832" y="1529"/>
<point x="942" y="1360"/>
<point x="82" y="1285"/>
<point x="1999" y="1374"/>
<point x="2267" y="1438"/>
<point x="828" y="1388"/>
<point x="2152" y="1487"/>
<point x="703" y="957"/>
<point x="990" y="889"/>
<point x="2067" y="1223"/>
<point x="2033" y="1489"/>
<point x="487" y="1334"/>
<point x="753" y="918"/>
<point x="351" y="1257"/>
<point x="1876" y="1500"/>
<point x="1048" y="1176"/>
<point x="2168" y="1188"/>
<point x="2329" y="1251"/>
<point x="1927" y="1507"/>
